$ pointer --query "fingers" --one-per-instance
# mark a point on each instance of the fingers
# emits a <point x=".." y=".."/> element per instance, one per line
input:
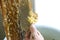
<point x="35" y="34"/>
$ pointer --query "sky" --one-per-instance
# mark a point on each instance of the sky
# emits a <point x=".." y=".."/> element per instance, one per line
<point x="48" y="13"/>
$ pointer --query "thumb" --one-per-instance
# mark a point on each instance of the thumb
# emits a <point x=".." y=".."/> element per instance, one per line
<point x="33" y="28"/>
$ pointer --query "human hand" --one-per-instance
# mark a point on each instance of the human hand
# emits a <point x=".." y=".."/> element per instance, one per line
<point x="35" y="34"/>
